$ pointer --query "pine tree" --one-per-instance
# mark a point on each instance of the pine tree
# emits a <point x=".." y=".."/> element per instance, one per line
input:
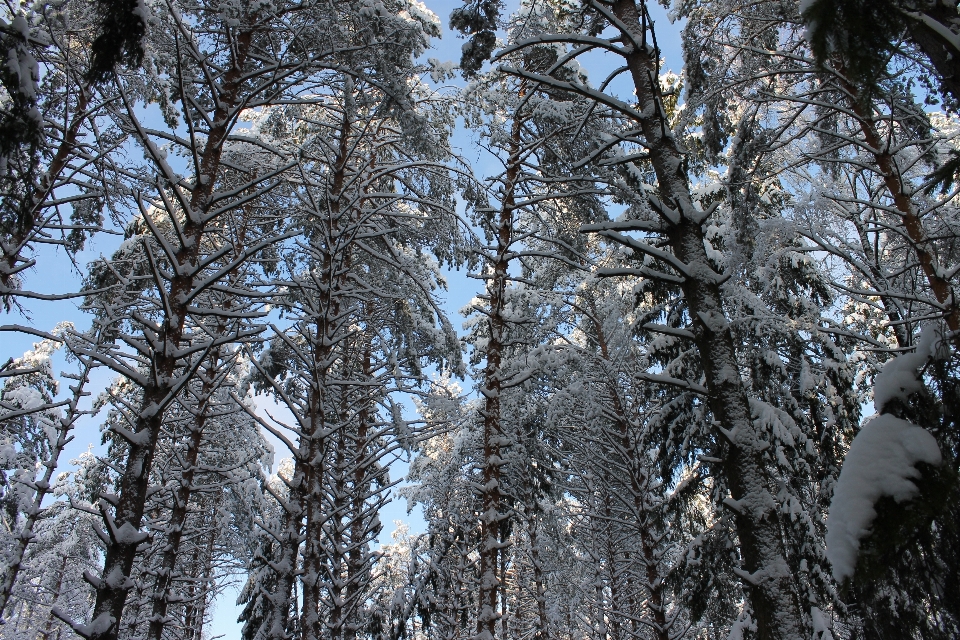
<point x="184" y="247"/>
<point x="55" y="142"/>
<point x="358" y="291"/>
<point x="36" y="429"/>
<point x="682" y="225"/>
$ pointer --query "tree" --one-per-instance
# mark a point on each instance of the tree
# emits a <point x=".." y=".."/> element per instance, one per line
<point x="157" y="281"/>
<point x="56" y="145"/>
<point x="867" y="34"/>
<point x="36" y="429"/>
<point x="679" y="225"/>
<point x="536" y="203"/>
<point x="358" y="293"/>
<point x="62" y="549"/>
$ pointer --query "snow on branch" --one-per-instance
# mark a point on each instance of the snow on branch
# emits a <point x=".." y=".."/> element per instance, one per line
<point x="881" y="463"/>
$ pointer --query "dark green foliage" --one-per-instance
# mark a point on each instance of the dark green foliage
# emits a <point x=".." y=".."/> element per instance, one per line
<point x="478" y="21"/>
<point x="946" y="174"/>
<point x="907" y="581"/>
<point x="87" y="216"/>
<point x="122" y="27"/>
<point x="914" y="546"/>
<point x="21" y="126"/>
<point x="860" y="32"/>
<point x="21" y="129"/>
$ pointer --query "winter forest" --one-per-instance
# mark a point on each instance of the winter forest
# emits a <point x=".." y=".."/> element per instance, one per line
<point x="642" y="315"/>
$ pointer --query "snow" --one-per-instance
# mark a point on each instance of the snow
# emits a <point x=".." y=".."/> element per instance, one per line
<point x="8" y="455"/>
<point x="881" y="462"/>
<point x="441" y="71"/>
<point x="127" y="534"/>
<point x="821" y="625"/>
<point x="27" y="398"/>
<point x="22" y="64"/>
<point x="100" y="625"/>
<point x="899" y="377"/>
<point x="740" y="628"/>
<point x="129" y="243"/>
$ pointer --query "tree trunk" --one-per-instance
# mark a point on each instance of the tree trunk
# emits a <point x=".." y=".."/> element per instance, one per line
<point x="357" y="567"/>
<point x="765" y="574"/>
<point x="327" y="327"/>
<point x="282" y="601"/>
<point x="48" y="627"/>
<point x="123" y="529"/>
<point x="492" y="518"/>
<point x="539" y="581"/>
<point x="181" y="501"/>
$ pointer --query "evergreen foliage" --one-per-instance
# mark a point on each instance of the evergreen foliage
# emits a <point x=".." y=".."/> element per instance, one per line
<point x="705" y="304"/>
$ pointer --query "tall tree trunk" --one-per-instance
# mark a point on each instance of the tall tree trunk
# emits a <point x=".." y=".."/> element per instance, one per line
<point x="766" y="576"/>
<point x="613" y="552"/>
<point x="336" y="541"/>
<point x="327" y="330"/>
<point x="313" y="469"/>
<point x="48" y="627"/>
<point x="492" y="518"/>
<point x="357" y="567"/>
<point x="197" y="629"/>
<point x="536" y="565"/>
<point x="162" y="592"/>
<point x="123" y="536"/>
<point x="190" y="610"/>
<point x="281" y="602"/>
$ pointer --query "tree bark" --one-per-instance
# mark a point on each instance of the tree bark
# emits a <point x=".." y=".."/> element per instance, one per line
<point x="124" y="536"/>
<point x="181" y="501"/>
<point x="357" y="567"/>
<point x="766" y="576"/>
<point x="492" y="518"/>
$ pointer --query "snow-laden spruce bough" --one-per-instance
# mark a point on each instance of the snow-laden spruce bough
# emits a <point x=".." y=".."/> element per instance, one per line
<point x="690" y="289"/>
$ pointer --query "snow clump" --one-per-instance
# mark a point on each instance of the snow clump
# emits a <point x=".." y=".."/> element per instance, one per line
<point x="882" y="458"/>
<point x="881" y="462"/>
<point x="900" y="377"/>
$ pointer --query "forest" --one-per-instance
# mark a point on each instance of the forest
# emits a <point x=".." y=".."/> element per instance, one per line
<point x="706" y="386"/>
